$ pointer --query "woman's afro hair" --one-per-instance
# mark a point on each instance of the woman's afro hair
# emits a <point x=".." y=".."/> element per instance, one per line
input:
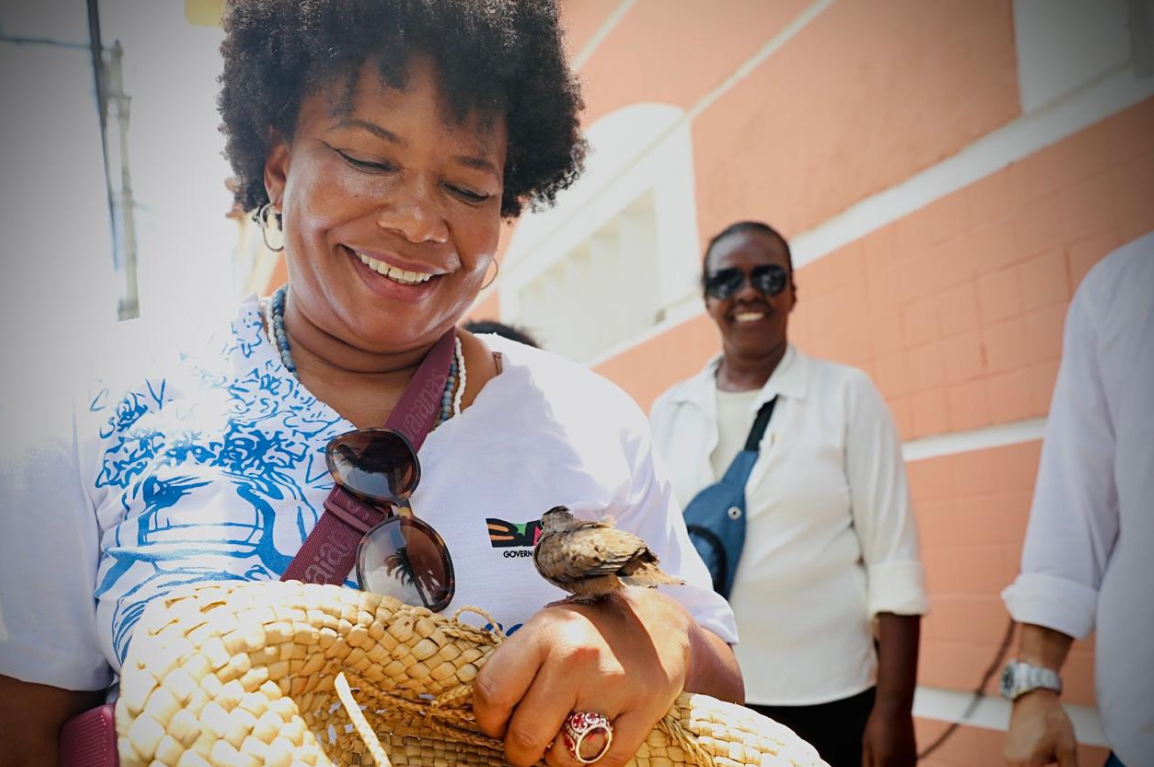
<point x="497" y="57"/>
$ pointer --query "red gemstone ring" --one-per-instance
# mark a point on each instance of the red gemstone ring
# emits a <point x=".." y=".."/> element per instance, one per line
<point x="579" y="726"/>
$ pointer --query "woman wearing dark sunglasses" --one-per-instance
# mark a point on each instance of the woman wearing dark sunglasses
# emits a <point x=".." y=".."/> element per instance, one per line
<point x="830" y="558"/>
<point x="380" y="144"/>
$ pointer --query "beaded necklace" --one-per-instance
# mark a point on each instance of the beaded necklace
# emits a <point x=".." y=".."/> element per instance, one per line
<point x="273" y="309"/>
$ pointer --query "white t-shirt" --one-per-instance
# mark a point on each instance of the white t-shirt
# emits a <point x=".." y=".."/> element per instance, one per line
<point x="830" y="539"/>
<point x="734" y="420"/>
<point x="1087" y="560"/>
<point x="213" y="468"/>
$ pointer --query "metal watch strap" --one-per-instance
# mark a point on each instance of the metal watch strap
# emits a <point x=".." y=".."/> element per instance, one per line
<point x="1025" y="677"/>
<point x="1038" y="676"/>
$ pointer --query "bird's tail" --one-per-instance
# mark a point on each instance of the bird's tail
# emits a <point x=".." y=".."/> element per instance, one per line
<point x="651" y="577"/>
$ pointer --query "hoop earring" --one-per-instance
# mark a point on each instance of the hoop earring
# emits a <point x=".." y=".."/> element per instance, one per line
<point x="496" y="271"/>
<point x="265" y="221"/>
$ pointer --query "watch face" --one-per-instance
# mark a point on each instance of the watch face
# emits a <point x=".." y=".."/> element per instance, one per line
<point x="1008" y="681"/>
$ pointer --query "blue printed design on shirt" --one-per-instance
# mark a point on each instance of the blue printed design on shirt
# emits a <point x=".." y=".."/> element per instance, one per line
<point x="213" y="468"/>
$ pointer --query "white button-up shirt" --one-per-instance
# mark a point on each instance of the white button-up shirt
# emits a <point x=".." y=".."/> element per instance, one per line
<point x="1089" y="554"/>
<point x="830" y="539"/>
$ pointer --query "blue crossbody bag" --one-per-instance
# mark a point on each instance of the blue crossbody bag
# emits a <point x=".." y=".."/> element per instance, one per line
<point x="716" y="515"/>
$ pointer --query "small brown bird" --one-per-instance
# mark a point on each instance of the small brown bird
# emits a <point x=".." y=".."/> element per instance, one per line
<point x="591" y="560"/>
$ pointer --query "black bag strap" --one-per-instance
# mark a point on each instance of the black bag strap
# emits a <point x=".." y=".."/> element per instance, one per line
<point x="759" y="424"/>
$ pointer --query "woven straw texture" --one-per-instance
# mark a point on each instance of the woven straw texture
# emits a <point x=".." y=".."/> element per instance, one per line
<point x="247" y="674"/>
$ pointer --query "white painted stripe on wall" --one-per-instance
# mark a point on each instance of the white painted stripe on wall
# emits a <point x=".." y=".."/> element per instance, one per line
<point x="602" y="32"/>
<point x="1001" y="435"/>
<point x="674" y="316"/>
<point x="800" y="22"/>
<point x="994" y="713"/>
<point x="1014" y="141"/>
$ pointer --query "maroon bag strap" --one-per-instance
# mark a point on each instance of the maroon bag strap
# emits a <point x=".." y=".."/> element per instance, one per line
<point x="329" y="552"/>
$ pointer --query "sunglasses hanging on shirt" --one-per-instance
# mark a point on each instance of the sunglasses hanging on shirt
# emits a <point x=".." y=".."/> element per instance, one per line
<point x="368" y="521"/>
<point x="401" y="556"/>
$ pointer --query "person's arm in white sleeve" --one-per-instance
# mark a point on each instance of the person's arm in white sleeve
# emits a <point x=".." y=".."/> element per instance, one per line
<point x="879" y="494"/>
<point x="1072" y="530"/>
<point x="880" y="499"/>
<point x="51" y="667"/>
<point x="1074" y="517"/>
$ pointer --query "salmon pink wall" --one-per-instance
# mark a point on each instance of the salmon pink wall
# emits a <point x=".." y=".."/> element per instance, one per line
<point x="972" y="510"/>
<point x="957" y="309"/>
<point x="677" y="51"/>
<point x="869" y="94"/>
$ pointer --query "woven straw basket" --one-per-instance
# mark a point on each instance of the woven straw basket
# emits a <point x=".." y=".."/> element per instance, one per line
<point x="248" y="674"/>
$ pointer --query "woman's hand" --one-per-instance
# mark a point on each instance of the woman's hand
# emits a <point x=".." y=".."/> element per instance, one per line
<point x="888" y="740"/>
<point x="627" y="658"/>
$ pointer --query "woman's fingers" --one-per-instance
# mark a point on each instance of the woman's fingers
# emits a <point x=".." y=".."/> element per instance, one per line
<point x="504" y="679"/>
<point x="586" y="660"/>
<point x="539" y="715"/>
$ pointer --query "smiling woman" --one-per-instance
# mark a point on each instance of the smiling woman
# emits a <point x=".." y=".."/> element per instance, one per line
<point x="399" y="204"/>
<point x="829" y="539"/>
<point x="385" y="139"/>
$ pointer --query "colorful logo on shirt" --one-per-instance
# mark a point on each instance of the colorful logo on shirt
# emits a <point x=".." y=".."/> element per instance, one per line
<point x="519" y="536"/>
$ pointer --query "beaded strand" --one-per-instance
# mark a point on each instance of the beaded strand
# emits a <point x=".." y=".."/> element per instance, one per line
<point x="276" y="327"/>
<point x="273" y="308"/>
<point x="459" y="362"/>
<point x="447" y="394"/>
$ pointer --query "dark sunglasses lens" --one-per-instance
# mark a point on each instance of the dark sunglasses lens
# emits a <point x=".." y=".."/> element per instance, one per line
<point x="406" y="559"/>
<point x="375" y="464"/>
<point x="770" y="279"/>
<point x="724" y="283"/>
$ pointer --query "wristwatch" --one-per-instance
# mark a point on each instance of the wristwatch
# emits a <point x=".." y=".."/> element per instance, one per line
<point x="1019" y="678"/>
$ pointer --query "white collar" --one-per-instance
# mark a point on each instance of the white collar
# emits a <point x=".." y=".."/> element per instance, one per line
<point x="790" y="379"/>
